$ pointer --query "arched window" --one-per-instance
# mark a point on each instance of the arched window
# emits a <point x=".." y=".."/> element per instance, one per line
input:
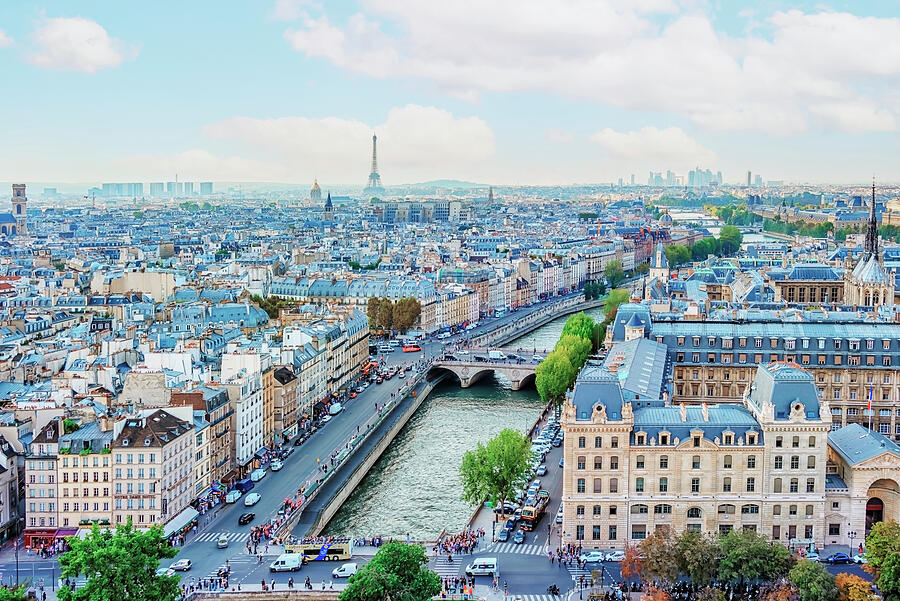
<point x="579" y="510"/>
<point x="598" y="485"/>
<point x="749" y="509"/>
<point x="694" y="512"/>
<point x="639" y="462"/>
<point x="639" y="509"/>
<point x="695" y="462"/>
<point x="639" y="485"/>
<point x="726" y="463"/>
<point x="614" y="462"/>
<point x="726" y="508"/>
<point x="662" y="508"/>
<point x="811" y="462"/>
<point x="726" y="485"/>
<point x="581" y="462"/>
<point x="598" y="463"/>
<point x="613" y="485"/>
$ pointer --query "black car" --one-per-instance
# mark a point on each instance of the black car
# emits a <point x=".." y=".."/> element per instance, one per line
<point x="299" y="441"/>
<point x="246" y="518"/>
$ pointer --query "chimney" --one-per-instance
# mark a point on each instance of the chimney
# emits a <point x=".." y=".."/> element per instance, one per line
<point x="705" y="412"/>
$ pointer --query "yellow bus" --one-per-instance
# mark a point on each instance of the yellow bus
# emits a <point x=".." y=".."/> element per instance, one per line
<point x="335" y="549"/>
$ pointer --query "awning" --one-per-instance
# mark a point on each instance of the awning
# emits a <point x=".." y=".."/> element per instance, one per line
<point x="262" y="453"/>
<point x="180" y="521"/>
<point x="66" y="532"/>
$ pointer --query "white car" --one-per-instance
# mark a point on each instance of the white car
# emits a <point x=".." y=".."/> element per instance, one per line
<point x="326" y="419"/>
<point x="860" y="558"/>
<point x="542" y="470"/>
<point x="276" y="465"/>
<point x="462" y="351"/>
<point x="615" y="556"/>
<point x="252" y="499"/>
<point x="345" y="571"/>
<point x="593" y="556"/>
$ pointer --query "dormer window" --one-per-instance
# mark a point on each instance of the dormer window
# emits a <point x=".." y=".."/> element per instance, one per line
<point x="641" y="438"/>
<point x="147" y="442"/>
<point x="664" y="439"/>
<point x="124" y="442"/>
<point x="751" y="438"/>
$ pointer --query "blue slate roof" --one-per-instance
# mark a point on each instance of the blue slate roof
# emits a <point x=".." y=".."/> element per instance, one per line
<point x="722" y="418"/>
<point x="641" y="367"/>
<point x="785" y="385"/>
<point x="855" y="444"/>
<point x="595" y="386"/>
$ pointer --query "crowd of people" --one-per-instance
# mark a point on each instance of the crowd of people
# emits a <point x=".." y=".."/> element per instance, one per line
<point x="459" y="544"/>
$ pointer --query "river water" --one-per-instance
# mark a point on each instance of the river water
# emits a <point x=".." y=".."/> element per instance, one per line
<point x="414" y="488"/>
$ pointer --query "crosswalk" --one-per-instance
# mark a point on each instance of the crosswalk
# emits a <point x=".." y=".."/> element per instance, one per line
<point x="239" y="564"/>
<point x="214" y="536"/>
<point x="534" y="597"/>
<point x="514" y="548"/>
<point x="444" y="567"/>
<point x="578" y="572"/>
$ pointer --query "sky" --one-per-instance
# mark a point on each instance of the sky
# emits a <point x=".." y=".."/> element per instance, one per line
<point x="498" y="91"/>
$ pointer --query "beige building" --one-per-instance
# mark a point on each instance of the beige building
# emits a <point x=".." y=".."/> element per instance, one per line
<point x="40" y="485"/>
<point x="84" y="476"/>
<point x="634" y="467"/>
<point x="153" y="468"/>
<point x="283" y="387"/>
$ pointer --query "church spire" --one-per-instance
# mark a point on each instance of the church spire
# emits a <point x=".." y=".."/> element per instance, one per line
<point x="872" y="228"/>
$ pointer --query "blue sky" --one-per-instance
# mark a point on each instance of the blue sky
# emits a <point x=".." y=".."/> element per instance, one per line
<point x="502" y="92"/>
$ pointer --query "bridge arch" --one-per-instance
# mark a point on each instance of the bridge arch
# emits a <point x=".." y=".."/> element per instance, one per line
<point x="528" y="380"/>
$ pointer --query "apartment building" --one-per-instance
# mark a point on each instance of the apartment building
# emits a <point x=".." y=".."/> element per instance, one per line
<point x="632" y="467"/>
<point x="217" y="444"/>
<point x="281" y="389"/>
<point x="153" y="468"/>
<point x="40" y="485"/>
<point x="84" y="476"/>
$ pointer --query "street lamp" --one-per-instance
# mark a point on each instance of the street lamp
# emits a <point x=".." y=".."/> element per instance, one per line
<point x="852" y="536"/>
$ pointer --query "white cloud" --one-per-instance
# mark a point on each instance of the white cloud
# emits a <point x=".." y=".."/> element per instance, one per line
<point x="77" y="44"/>
<point x="414" y="143"/>
<point x="642" y="56"/>
<point x="5" y="40"/>
<point x="557" y="135"/>
<point x="289" y="10"/>
<point x="650" y="146"/>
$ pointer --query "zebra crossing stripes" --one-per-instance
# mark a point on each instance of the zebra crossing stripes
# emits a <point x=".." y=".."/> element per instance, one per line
<point x="519" y="549"/>
<point x="445" y="568"/>
<point x="534" y="597"/>
<point x="214" y="536"/>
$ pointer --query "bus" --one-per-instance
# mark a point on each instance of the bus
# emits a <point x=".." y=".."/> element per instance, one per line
<point x="369" y="367"/>
<point x="411" y="348"/>
<point x="322" y="549"/>
<point x="531" y="514"/>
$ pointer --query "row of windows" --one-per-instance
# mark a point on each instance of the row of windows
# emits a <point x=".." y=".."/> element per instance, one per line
<point x="84" y="477"/>
<point x="86" y="492"/>
<point x="85" y="460"/>
<point x="598" y="442"/>
<point x="85" y="507"/>
<point x="837" y="344"/>
<point x="757" y="358"/>
<point x="639" y="462"/>
<point x="581" y="485"/>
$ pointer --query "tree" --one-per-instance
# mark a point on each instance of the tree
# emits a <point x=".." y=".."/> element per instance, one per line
<point x="889" y="576"/>
<point x="882" y="542"/>
<point x="406" y="312"/>
<point x="614" y="273"/>
<point x="853" y="588"/>
<point x="386" y="313"/>
<point x="711" y="593"/>
<point x="660" y="561"/>
<point x="497" y="470"/>
<point x="631" y="564"/>
<point x="745" y="554"/>
<point x="397" y="571"/>
<point x="553" y="376"/>
<point x="12" y="594"/>
<point x="813" y="581"/>
<point x="120" y="565"/>
<point x="698" y="556"/>
<point x="654" y="593"/>
<point x="600" y="288"/>
<point x="576" y="349"/>
<point x="580" y="324"/>
<point x="372" y="311"/>
<point x="781" y="590"/>
<point x="643" y="268"/>
<point x="730" y="239"/>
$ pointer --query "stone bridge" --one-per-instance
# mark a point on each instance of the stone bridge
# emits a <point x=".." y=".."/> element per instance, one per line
<point x="471" y="367"/>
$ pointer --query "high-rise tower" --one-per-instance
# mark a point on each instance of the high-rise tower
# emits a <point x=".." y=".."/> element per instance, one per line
<point x="374" y="183"/>
<point x="20" y="209"/>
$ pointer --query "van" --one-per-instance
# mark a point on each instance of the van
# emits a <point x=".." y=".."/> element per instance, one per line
<point x="443" y="335"/>
<point x="233" y="496"/>
<point x="335" y="409"/>
<point x="385" y="348"/>
<point x="495" y="355"/>
<point x="257" y="475"/>
<point x="287" y="562"/>
<point x="486" y="566"/>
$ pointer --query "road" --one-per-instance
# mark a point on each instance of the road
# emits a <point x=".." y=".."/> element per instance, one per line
<point x="276" y="486"/>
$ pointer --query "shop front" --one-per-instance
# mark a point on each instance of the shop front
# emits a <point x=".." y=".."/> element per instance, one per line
<point x="35" y="538"/>
<point x="175" y="528"/>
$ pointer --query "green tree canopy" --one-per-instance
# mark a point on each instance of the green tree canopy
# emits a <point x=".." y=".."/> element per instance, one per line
<point x="730" y="238"/>
<point x="660" y="561"/>
<point x="747" y="555"/>
<point x="406" y="312"/>
<point x="372" y="311"/>
<point x="119" y="566"/>
<point x="614" y="273"/>
<point x="698" y="556"/>
<point x="882" y="541"/>
<point x="497" y="470"/>
<point x="813" y="582"/>
<point x="677" y="254"/>
<point x="385" y="313"/>
<point x="579" y="324"/>
<point x="397" y="572"/>
<point x="553" y="376"/>
<point x="575" y="348"/>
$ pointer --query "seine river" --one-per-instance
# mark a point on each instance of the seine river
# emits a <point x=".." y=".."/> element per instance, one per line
<point x="414" y="487"/>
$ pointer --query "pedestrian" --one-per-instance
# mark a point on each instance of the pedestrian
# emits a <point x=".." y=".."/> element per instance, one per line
<point x="323" y="585"/>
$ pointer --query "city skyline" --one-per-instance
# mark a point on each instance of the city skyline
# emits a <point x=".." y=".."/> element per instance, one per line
<point x="290" y="90"/>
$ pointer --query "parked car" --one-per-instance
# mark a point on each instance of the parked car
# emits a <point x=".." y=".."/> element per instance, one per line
<point x="503" y="535"/>
<point x="812" y="556"/>
<point x="519" y="538"/>
<point x="252" y="499"/>
<point x="246" y="518"/>
<point x="326" y="419"/>
<point x="542" y="470"/>
<point x="560" y="462"/>
<point x="345" y="571"/>
<point x="838" y="558"/>
<point x="222" y="542"/>
<point x="615" y="556"/>
<point x="593" y="556"/>
<point x="860" y="558"/>
<point x="276" y="465"/>
<point x="165" y="572"/>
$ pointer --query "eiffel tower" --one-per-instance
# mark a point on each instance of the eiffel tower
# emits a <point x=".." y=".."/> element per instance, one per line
<point x="374" y="184"/>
